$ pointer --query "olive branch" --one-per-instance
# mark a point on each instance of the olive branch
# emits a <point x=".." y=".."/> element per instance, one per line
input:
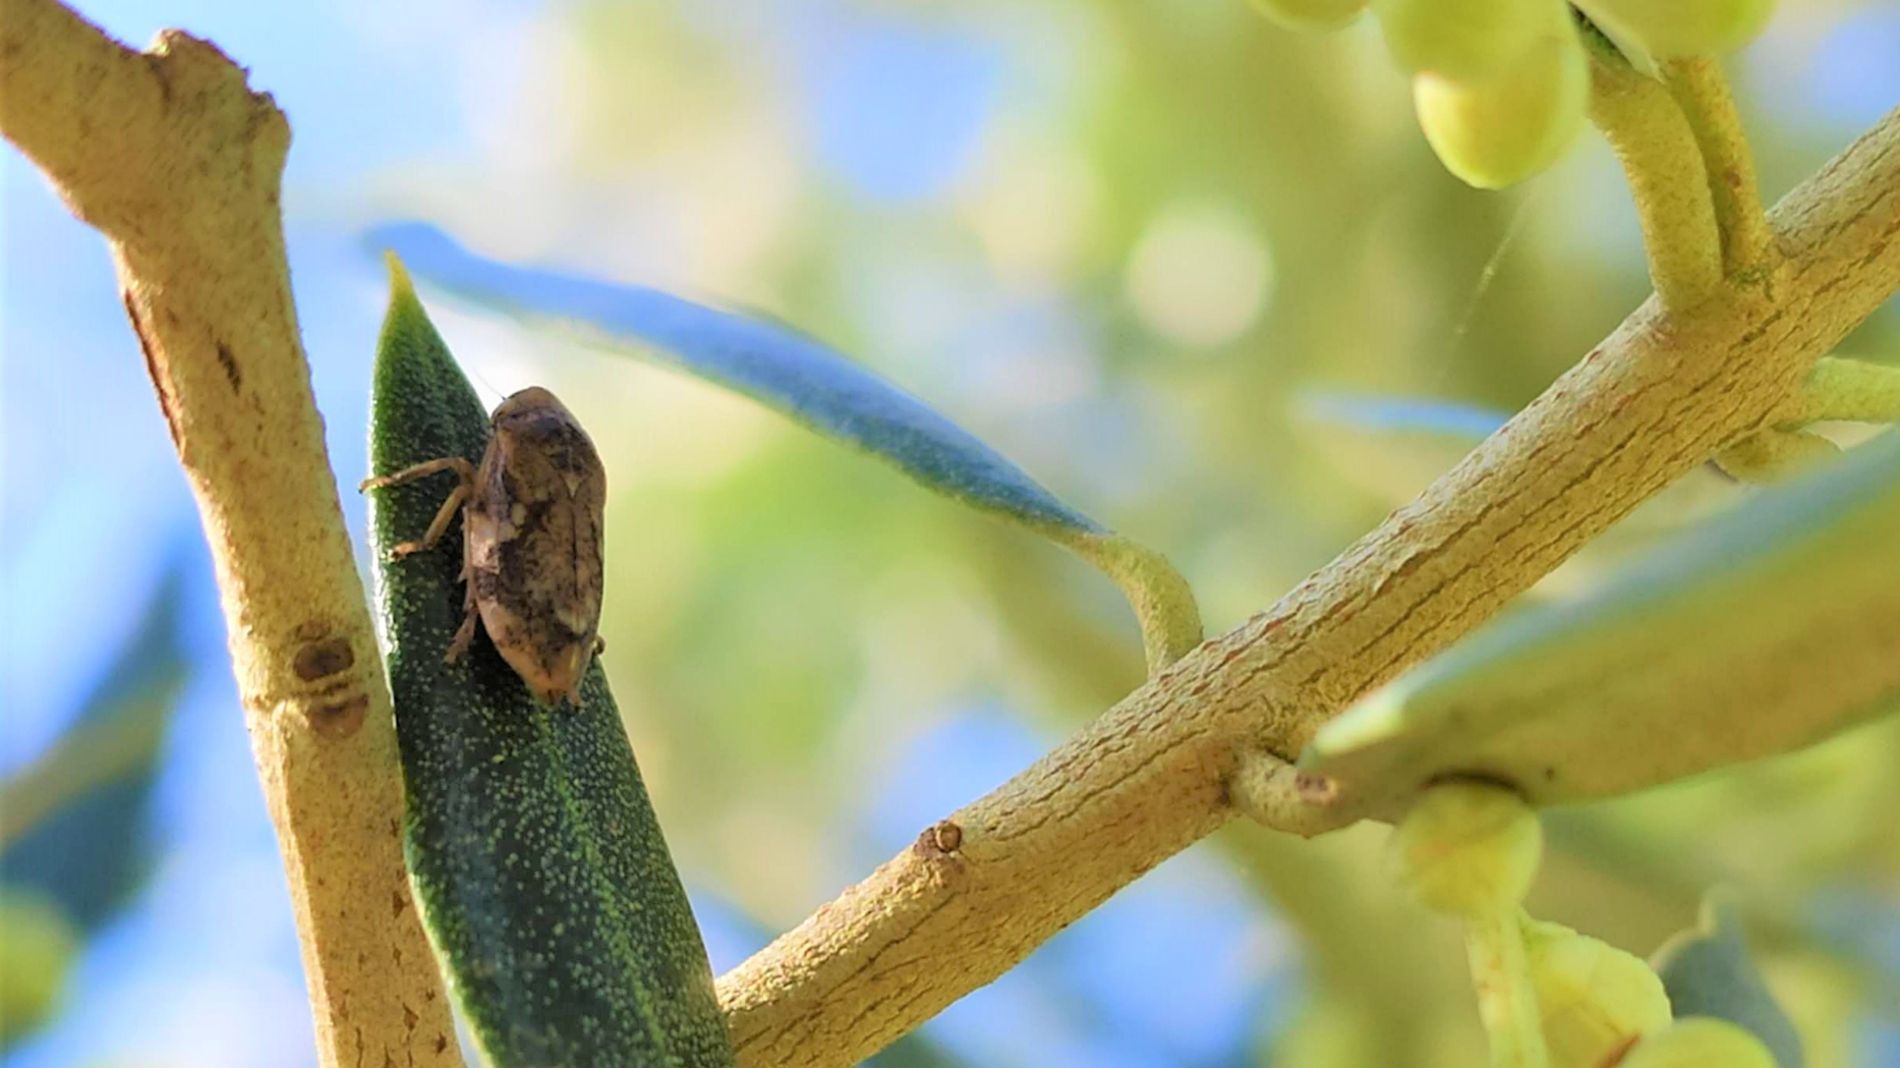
<point x="177" y="163"/>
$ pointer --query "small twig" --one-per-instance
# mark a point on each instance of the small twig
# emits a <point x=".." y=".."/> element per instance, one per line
<point x="1506" y="1002"/>
<point x="1775" y="455"/>
<point x="1667" y="179"/>
<point x="1274" y="793"/>
<point x="1850" y="391"/>
<point x="1702" y="92"/>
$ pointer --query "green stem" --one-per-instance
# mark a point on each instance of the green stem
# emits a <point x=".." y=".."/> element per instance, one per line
<point x="1702" y="92"/>
<point x="1850" y="390"/>
<point x="1163" y="601"/>
<point x="1776" y="455"/>
<point x="1506" y="1002"/>
<point x="1667" y="178"/>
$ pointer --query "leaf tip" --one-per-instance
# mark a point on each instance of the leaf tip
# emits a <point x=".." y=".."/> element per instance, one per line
<point x="1373" y="720"/>
<point x="401" y="287"/>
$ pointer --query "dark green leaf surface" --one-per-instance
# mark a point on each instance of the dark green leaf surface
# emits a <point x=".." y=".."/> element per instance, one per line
<point x="821" y="389"/>
<point x="544" y="880"/>
<point x="1708" y="971"/>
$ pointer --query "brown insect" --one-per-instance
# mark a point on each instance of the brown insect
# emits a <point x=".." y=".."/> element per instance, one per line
<point x="531" y="541"/>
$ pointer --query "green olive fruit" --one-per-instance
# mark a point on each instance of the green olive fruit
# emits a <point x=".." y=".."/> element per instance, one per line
<point x="1467" y="40"/>
<point x="1311" y="14"/>
<point x="1682" y="27"/>
<point x="1502" y="130"/>
<point x="1468" y="849"/>
<point x="1700" y="1042"/>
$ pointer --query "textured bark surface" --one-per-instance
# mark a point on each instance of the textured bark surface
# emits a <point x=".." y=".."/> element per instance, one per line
<point x="1661" y="394"/>
<point x="177" y="162"/>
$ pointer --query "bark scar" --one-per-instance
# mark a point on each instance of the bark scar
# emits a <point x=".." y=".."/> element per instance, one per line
<point x="229" y="363"/>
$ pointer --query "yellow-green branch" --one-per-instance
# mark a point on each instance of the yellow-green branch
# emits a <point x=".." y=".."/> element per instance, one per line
<point x="1702" y="92"/>
<point x="1667" y="178"/>
<point x="1848" y="390"/>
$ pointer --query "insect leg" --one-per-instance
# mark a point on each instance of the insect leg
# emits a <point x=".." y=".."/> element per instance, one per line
<point x="437" y="527"/>
<point x="462" y="468"/>
<point x="465" y="633"/>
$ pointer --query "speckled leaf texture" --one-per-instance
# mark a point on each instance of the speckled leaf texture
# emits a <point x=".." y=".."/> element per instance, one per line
<point x="545" y="882"/>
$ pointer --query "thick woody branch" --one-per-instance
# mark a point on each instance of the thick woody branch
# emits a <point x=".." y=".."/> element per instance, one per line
<point x="177" y="162"/>
<point x="1667" y="178"/>
<point x="985" y="886"/>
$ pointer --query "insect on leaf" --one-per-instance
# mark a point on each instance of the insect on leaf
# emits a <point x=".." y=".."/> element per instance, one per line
<point x="545" y="883"/>
<point x="821" y="389"/>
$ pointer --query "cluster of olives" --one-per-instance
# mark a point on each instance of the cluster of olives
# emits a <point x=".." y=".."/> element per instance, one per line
<point x="1501" y="86"/>
<point x="1469" y="850"/>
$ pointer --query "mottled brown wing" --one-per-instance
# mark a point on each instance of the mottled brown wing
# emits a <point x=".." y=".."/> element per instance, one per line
<point x="538" y="577"/>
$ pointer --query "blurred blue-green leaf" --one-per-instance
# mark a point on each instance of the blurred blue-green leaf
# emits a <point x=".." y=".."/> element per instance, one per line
<point x="72" y="822"/>
<point x="1708" y="971"/>
<point x="1769" y="629"/>
<point x="821" y="389"/>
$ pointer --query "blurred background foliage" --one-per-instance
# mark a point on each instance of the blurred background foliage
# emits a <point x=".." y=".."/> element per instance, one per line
<point x="1142" y="248"/>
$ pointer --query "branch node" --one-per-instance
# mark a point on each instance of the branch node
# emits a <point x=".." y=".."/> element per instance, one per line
<point x="1274" y="793"/>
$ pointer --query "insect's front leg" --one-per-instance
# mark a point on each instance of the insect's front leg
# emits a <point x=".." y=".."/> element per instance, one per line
<point x="465" y="476"/>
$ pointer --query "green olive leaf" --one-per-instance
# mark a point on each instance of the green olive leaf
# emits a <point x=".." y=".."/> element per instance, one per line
<point x="1772" y="627"/>
<point x="1708" y="971"/>
<point x="819" y="388"/>
<point x="543" y="878"/>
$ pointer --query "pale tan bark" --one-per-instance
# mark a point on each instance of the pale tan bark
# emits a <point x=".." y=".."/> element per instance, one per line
<point x="177" y="163"/>
<point x="981" y="889"/>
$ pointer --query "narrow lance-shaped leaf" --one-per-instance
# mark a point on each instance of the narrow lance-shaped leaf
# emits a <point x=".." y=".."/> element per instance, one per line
<point x="544" y="881"/>
<point x="1708" y="971"/>
<point x="1773" y="627"/>
<point x="819" y="388"/>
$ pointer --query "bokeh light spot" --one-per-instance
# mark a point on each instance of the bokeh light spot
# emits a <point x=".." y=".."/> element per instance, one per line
<point x="1199" y="275"/>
